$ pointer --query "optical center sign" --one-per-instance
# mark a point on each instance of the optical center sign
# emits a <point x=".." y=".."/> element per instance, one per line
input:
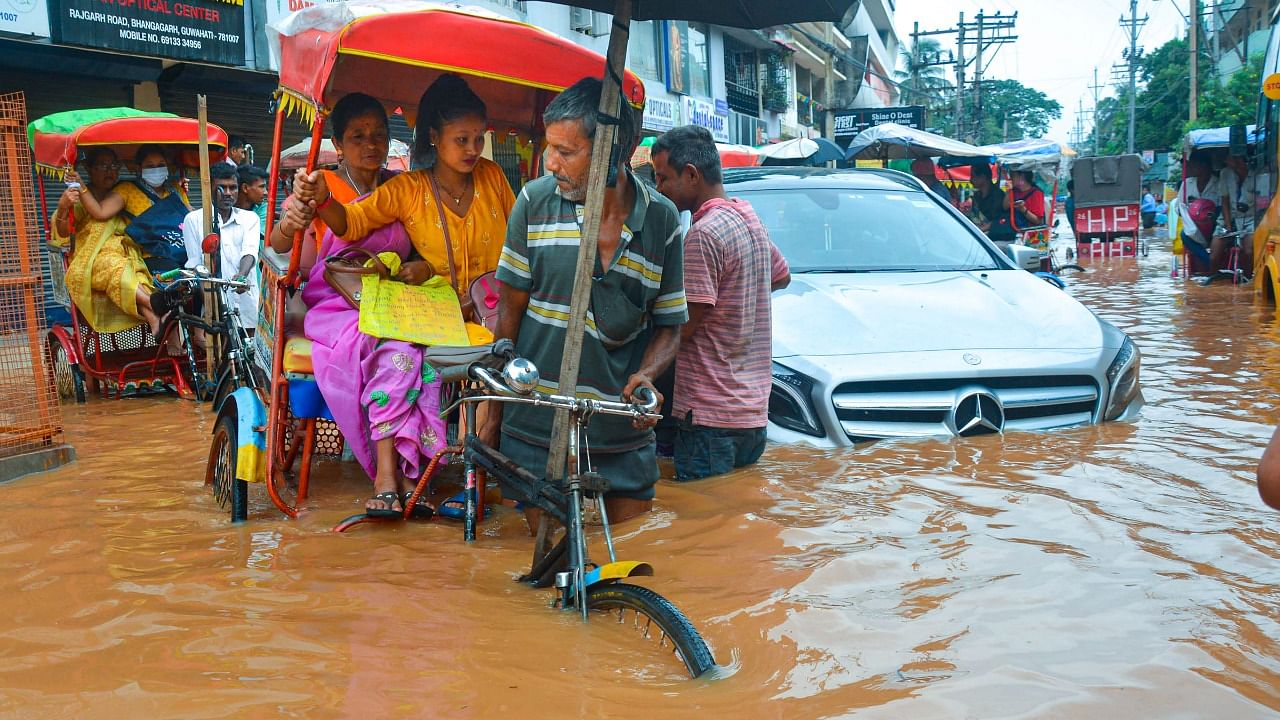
<point x="205" y="30"/>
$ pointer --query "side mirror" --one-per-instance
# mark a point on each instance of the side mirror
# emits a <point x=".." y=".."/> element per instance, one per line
<point x="1027" y="258"/>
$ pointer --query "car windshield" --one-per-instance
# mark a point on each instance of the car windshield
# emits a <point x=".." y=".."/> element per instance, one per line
<point x="842" y="230"/>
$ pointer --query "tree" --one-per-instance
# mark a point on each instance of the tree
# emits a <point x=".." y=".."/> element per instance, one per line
<point x="1013" y="111"/>
<point x="1234" y="103"/>
<point x="923" y="81"/>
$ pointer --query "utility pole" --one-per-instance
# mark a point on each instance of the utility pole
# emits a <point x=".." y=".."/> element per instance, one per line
<point x="1096" y="132"/>
<point x="960" y="77"/>
<point x="915" y="61"/>
<point x="1193" y="26"/>
<point x="987" y="31"/>
<point x="1134" y="24"/>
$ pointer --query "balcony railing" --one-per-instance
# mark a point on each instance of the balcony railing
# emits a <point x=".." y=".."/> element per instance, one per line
<point x="743" y="99"/>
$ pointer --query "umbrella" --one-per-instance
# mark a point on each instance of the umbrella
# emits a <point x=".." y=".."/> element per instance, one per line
<point x="892" y="141"/>
<point x="738" y="155"/>
<point x="801" y="151"/>
<point x="734" y="13"/>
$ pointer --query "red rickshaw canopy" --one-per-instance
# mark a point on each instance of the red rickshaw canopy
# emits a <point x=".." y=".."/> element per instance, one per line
<point x="57" y="139"/>
<point x="394" y="50"/>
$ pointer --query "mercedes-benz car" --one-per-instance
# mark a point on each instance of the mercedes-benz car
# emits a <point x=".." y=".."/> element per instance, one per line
<point x="903" y="319"/>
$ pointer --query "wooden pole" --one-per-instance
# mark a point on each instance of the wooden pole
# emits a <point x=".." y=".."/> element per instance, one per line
<point x="610" y="101"/>
<point x="206" y="204"/>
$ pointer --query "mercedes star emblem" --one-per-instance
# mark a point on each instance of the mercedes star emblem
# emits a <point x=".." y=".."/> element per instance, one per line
<point x="977" y="413"/>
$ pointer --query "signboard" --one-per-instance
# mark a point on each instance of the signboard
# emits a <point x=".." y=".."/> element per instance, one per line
<point x="659" y="114"/>
<point x="1271" y="86"/>
<point x="24" y="17"/>
<point x="206" y="30"/>
<point x="703" y="113"/>
<point x="851" y="122"/>
<point x="676" y="44"/>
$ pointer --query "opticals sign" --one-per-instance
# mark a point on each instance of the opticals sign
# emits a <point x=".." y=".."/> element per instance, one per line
<point x="702" y="113"/>
<point x="660" y="114"/>
<point x="851" y="122"/>
<point x="205" y="30"/>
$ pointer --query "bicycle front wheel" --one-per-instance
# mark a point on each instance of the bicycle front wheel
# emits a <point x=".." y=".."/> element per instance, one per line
<point x="655" y="618"/>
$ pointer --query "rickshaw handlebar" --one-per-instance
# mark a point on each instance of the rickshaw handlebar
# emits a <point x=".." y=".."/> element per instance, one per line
<point x="583" y="406"/>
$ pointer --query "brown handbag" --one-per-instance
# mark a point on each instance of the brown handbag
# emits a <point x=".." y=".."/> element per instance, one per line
<point x="345" y="271"/>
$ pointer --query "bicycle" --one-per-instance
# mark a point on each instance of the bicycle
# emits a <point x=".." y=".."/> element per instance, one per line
<point x="580" y="584"/>
<point x="1232" y="268"/>
<point x="236" y="368"/>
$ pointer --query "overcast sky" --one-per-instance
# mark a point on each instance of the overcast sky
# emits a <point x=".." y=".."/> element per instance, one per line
<point x="1059" y="43"/>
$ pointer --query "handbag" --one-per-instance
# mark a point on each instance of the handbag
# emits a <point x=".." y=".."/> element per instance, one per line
<point x="346" y="269"/>
<point x="158" y="230"/>
<point x="484" y="300"/>
<point x="1204" y="214"/>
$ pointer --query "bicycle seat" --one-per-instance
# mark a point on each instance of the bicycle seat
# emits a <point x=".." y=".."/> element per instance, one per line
<point x="452" y="362"/>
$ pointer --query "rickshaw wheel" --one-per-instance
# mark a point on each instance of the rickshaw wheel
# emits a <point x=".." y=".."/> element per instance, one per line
<point x="220" y="474"/>
<point x="67" y="376"/>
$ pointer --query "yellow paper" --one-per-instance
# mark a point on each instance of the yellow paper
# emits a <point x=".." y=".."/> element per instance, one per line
<point x="426" y="314"/>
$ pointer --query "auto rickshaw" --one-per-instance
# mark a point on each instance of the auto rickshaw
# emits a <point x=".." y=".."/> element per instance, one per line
<point x="134" y="358"/>
<point x="394" y="55"/>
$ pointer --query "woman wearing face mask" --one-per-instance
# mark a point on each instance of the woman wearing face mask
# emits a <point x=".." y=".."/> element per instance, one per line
<point x="454" y="210"/>
<point x="107" y="278"/>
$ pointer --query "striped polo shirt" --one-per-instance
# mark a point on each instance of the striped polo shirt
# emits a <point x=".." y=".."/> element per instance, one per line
<point x="642" y="288"/>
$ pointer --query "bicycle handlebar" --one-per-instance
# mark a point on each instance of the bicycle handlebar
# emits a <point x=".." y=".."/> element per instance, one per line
<point x="587" y="406"/>
<point x="211" y="281"/>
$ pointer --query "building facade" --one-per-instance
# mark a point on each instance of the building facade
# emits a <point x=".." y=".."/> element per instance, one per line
<point x="746" y="86"/>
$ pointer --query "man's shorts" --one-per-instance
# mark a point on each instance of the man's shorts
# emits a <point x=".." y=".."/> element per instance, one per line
<point x="631" y="473"/>
<point x="702" y="451"/>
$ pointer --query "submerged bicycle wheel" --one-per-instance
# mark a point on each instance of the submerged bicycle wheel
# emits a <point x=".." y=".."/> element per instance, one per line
<point x="220" y="473"/>
<point x="655" y="618"/>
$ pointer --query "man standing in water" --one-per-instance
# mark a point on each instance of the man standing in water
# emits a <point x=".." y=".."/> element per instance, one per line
<point x="637" y="297"/>
<point x="239" y="236"/>
<point x="723" y="366"/>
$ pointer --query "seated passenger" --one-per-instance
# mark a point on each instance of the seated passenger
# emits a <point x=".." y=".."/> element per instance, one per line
<point x="381" y="391"/>
<point x="1197" y="203"/>
<point x="1026" y="200"/>
<point x="108" y="278"/>
<point x="988" y="204"/>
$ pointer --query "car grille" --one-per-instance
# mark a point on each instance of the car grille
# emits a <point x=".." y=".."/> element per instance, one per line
<point x="917" y="408"/>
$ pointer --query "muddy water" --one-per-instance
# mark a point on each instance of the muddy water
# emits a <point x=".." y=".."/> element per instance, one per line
<point x="1119" y="571"/>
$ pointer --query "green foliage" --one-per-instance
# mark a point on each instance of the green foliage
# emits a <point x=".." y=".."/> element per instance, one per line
<point x="1013" y="111"/>
<point x="1236" y="102"/>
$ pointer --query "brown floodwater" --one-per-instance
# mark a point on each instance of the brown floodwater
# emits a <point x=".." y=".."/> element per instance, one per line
<point x="1127" y="570"/>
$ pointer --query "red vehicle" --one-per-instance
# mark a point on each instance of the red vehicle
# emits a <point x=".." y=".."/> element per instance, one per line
<point x="1108" y="195"/>
<point x="84" y="359"/>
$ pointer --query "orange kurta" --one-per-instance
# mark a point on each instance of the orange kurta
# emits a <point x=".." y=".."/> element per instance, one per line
<point x="477" y="236"/>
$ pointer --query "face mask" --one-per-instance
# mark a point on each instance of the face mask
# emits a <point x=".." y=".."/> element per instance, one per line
<point x="155" y="177"/>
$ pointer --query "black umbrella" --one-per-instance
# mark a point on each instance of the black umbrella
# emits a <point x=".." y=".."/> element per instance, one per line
<point x="735" y="13"/>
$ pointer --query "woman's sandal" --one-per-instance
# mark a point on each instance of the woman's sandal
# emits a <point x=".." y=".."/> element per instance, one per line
<point x="421" y="510"/>
<point x="388" y="498"/>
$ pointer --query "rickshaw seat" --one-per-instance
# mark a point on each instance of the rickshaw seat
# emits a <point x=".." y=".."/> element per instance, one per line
<point x="452" y="361"/>
<point x="297" y="355"/>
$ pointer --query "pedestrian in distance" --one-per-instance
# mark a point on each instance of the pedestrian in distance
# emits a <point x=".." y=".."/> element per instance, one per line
<point x="722" y="380"/>
<point x="637" y="297"/>
<point x="237" y="150"/>
<point x="253" y="191"/>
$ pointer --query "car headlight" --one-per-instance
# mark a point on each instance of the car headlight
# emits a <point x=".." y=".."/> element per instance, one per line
<point x="791" y="404"/>
<point x="1122" y="378"/>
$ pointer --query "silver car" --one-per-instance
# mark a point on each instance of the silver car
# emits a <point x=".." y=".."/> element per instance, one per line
<point x="903" y="319"/>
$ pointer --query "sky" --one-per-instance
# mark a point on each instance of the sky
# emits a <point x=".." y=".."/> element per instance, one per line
<point x="1059" y="44"/>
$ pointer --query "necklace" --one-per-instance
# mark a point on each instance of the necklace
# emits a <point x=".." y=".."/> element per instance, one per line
<point x="346" y="171"/>
<point x="457" y="199"/>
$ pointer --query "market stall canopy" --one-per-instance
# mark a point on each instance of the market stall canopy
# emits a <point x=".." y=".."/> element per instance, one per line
<point x="394" y="49"/>
<point x="752" y="14"/>
<point x="892" y="141"/>
<point x="56" y="140"/>
<point x="1212" y="138"/>
<point x="800" y="151"/>
<point x="295" y="157"/>
<point x="730" y="155"/>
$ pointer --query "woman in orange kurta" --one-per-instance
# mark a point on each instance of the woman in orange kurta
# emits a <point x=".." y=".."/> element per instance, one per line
<point x="458" y="195"/>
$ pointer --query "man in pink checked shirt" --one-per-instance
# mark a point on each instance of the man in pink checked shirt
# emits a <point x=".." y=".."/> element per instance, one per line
<point x="723" y="366"/>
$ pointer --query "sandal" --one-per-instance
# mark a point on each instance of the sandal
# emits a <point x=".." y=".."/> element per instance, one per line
<point x="455" y="508"/>
<point x="389" y="498"/>
<point x="420" y="510"/>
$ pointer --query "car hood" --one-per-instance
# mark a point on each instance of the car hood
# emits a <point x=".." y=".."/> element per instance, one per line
<point x="864" y="313"/>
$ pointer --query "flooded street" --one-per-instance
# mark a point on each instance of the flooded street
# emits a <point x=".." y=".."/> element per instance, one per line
<point x="1126" y="570"/>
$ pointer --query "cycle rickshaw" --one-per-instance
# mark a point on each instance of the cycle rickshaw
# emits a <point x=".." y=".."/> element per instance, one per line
<point x="82" y="358"/>
<point x="1218" y="142"/>
<point x="393" y="53"/>
<point x="1043" y="159"/>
